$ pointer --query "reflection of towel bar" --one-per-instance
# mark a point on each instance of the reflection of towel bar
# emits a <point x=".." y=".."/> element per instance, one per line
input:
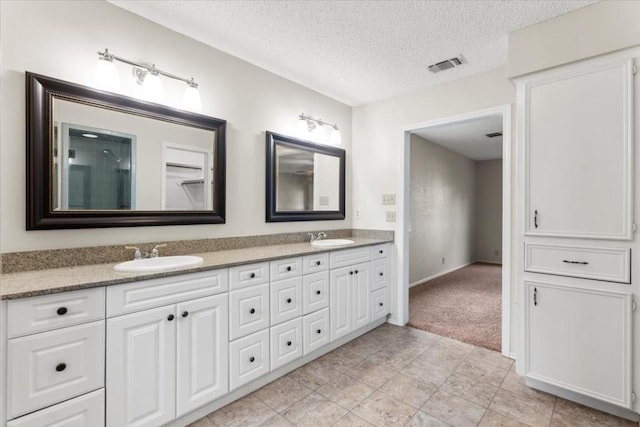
<point x="191" y="181"/>
<point x="182" y="165"/>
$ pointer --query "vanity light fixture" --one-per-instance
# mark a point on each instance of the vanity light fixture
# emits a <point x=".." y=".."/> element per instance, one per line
<point x="148" y="77"/>
<point x="317" y="130"/>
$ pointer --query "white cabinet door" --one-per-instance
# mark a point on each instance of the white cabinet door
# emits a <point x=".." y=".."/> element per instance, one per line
<point x="286" y="300"/>
<point x="202" y="353"/>
<point x="380" y="303"/>
<point x="84" y="411"/>
<point x="141" y="363"/>
<point x="286" y="343"/>
<point x="248" y="358"/>
<point x="315" y="330"/>
<point x="341" y="302"/>
<point x="578" y="133"/>
<point x="315" y="291"/>
<point x="580" y="340"/>
<point x="361" y="295"/>
<point x="248" y="310"/>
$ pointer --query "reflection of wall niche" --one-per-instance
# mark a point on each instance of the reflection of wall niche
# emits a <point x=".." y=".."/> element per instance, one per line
<point x="186" y="177"/>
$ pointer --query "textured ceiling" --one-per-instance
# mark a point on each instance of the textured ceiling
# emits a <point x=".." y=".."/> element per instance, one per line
<point x="468" y="137"/>
<point x="355" y="51"/>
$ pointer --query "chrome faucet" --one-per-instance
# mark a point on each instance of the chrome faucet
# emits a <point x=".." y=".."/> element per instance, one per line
<point x="314" y="238"/>
<point x="155" y="253"/>
<point x="137" y="254"/>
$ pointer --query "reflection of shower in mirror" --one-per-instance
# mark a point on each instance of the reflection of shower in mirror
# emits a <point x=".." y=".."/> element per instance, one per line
<point x="109" y="152"/>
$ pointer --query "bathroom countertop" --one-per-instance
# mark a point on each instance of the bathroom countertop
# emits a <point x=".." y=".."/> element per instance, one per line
<point x="42" y="282"/>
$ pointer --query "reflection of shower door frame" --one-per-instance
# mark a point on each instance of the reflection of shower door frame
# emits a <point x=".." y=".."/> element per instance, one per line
<point x="64" y="159"/>
<point x="208" y="175"/>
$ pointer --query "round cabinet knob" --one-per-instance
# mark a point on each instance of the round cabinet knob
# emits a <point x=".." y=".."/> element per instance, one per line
<point x="319" y="331"/>
<point x="356" y="271"/>
<point x="288" y="300"/>
<point x="185" y="313"/>
<point x="351" y="272"/>
<point x="252" y="275"/>
<point x="289" y="268"/>
<point x="170" y="317"/>
<point x="252" y="359"/>
<point x="252" y="311"/>
<point x="318" y="263"/>
<point x="317" y="292"/>
<point x="61" y="367"/>
<point x="382" y="274"/>
<point x="62" y="311"/>
<point x="289" y="343"/>
<point x="381" y="251"/>
<point x="381" y="304"/>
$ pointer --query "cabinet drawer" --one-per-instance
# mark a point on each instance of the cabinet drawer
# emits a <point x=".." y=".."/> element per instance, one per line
<point x="315" y="330"/>
<point x="248" y="311"/>
<point x="248" y="358"/>
<point x="137" y="296"/>
<point x="610" y="264"/>
<point x="286" y="343"/>
<point x="50" y="367"/>
<point x="380" y="303"/>
<point x="315" y="292"/>
<point x="315" y="263"/>
<point x="43" y="313"/>
<point x="84" y="411"/>
<point x="285" y="268"/>
<point x="286" y="300"/>
<point x="346" y="257"/>
<point x="243" y="276"/>
<point x="379" y="274"/>
<point x="380" y="251"/>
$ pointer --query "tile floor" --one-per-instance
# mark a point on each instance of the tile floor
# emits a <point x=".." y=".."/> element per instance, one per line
<point x="400" y="376"/>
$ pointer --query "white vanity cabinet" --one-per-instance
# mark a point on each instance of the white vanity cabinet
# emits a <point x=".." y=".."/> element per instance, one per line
<point x="380" y="281"/>
<point x="166" y="361"/>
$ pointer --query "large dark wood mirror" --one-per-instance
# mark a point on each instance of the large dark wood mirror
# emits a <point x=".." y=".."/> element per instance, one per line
<point x="99" y="159"/>
<point x="305" y="181"/>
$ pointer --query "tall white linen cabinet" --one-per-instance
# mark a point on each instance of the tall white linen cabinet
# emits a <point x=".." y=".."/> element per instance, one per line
<point x="578" y="243"/>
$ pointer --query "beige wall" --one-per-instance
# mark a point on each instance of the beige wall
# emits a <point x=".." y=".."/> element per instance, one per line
<point x="60" y="39"/>
<point x="489" y="211"/>
<point x="443" y="210"/>
<point x="593" y="30"/>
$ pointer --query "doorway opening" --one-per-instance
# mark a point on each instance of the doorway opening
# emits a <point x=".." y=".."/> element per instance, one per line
<point x="455" y="228"/>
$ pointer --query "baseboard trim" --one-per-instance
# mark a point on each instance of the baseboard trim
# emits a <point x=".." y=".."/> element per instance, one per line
<point x="489" y="262"/>
<point x="435" y="276"/>
<point x="583" y="400"/>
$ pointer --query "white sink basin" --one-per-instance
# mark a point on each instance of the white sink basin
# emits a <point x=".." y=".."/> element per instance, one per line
<point x="148" y="265"/>
<point x="331" y="243"/>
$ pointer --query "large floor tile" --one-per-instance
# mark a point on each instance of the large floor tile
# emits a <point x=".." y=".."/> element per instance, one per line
<point x="345" y="391"/>
<point x="408" y="390"/>
<point x="494" y="419"/>
<point x="568" y="413"/>
<point x="453" y="410"/>
<point x="491" y="358"/>
<point x="477" y="390"/>
<point x="372" y="374"/>
<point x="427" y="373"/>
<point x="352" y="420"/>
<point x="314" y="375"/>
<point x="202" y="422"/>
<point x="340" y="359"/>
<point x="248" y="411"/>
<point x="528" y="411"/>
<point x="443" y="355"/>
<point x="515" y="384"/>
<point x="382" y="410"/>
<point x="276" y="421"/>
<point x="314" y="410"/>
<point x="282" y="393"/>
<point x="422" y="419"/>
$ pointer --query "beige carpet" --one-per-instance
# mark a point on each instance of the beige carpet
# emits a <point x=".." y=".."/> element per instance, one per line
<point x="465" y="305"/>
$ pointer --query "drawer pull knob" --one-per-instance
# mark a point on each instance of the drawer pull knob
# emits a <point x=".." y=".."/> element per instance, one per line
<point x="185" y="313"/>
<point x="381" y="251"/>
<point x="252" y="359"/>
<point x="575" y="262"/>
<point x="61" y="367"/>
<point x="317" y="292"/>
<point x="170" y="317"/>
<point x="288" y="300"/>
<point x="289" y="343"/>
<point x="356" y="271"/>
<point x="252" y="275"/>
<point x="252" y="311"/>
<point x="351" y="272"/>
<point x="318" y="263"/>
<point x="381" y="304"/>
<point x="62" y="311"/>
<point x="319" y="331"/>
<point x="382" y="274"/>
<point x="289" y="268"/>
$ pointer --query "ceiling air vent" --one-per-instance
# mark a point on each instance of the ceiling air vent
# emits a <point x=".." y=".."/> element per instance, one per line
<point x="493" y="134"/>
<point x="448" y="64"/>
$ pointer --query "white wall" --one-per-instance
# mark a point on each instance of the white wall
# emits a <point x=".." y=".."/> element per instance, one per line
<point x="443" y="210"/>
<point x="488" y="181"/>
<point x="60" y="39"/>
<point x="593" y="30"/>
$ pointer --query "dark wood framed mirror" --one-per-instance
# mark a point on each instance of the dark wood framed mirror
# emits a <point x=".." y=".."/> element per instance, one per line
<point x="305" y="181"/>
<point x="99" y="159"/>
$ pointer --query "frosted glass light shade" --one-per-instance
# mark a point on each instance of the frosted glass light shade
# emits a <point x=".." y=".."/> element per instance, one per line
<point x="105" y="76"/>
<point x="334" y="137"/>
<point x="191" y="99"/>
<point x="152" y="88"/>
<point x="319" y="134"/>
<point x="302" y="129"/>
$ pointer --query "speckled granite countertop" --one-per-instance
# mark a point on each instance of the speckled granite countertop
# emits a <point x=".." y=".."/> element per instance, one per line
<point x="41" y="282"/>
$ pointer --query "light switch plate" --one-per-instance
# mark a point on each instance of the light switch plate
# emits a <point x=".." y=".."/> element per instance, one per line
<point x="388" y="199"/>
<point x="324" y="200"/>
<point x="391" y="216"/>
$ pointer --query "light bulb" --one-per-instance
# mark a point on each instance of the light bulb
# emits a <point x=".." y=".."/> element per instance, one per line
<point x="191" y="99"/>
<point x="302" y="128"/>
<point x="105" y="75"/>
<point x="334" y="137"/>
<point x="152" y="88"/>
<point x="319" y="134"/>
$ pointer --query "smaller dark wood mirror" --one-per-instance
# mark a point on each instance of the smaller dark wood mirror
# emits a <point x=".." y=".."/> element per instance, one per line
<point x="305" y="181"/>
<point x="99" y="159"/>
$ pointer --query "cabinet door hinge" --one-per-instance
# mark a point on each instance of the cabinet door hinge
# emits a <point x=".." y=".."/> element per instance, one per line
<point x="634" y="227"/>
<point x="633" y="396"/>
<point x="633" y="305"/>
